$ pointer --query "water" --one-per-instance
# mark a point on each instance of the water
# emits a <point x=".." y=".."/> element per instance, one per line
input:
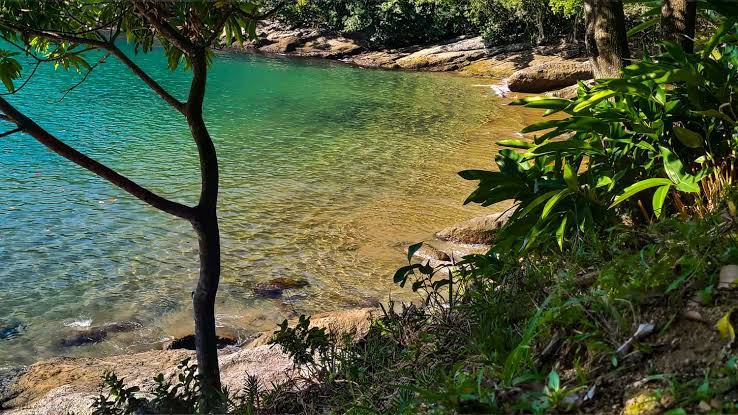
<point x="327" y="170"/>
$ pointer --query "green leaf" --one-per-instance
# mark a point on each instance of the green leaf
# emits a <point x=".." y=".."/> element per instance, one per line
<point x="570" y="177"/>
<point x="553" y="201"/>
<point x="658" y="199"/>
<point x="594" y="99"/>
<point x="549" y="103"/>
<point x="536" y="202"/>
<point x="639" y="187"/>
<point x="688" y="137"/>
<point x="412" y="250"/>
<point x="516" y="144"/>
<point x="675" y="170"/>
<point x="560" y="231"/>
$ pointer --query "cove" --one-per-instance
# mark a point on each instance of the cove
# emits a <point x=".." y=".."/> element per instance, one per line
<point x="327" y="171"/>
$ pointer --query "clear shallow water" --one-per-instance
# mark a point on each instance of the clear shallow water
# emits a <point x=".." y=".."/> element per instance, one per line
<point x="327" y="170"/>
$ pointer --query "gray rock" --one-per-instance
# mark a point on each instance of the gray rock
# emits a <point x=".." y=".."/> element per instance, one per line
<point x="480" y="230"/>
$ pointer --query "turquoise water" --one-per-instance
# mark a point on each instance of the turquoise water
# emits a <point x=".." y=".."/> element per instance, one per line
<point x="326" y="171"/>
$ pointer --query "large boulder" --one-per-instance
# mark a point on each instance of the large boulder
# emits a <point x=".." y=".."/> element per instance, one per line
<point x="480" y="230"/>
<point x="549" y="76"/>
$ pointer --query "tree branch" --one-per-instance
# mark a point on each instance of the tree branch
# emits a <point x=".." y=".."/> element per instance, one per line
<point x="167" y="31"/>
<point x="73" y="155"/>
<point x="155" y="86"/>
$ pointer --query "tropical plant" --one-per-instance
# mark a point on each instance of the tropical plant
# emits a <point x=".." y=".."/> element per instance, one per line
<point x="648" y="144"/>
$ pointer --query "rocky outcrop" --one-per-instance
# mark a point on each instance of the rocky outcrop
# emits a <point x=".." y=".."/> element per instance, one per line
<point x="427" y="251"/>
<point x="480" y="230"/>
<point x="451" y="56"/>
<point x="276" y="38"/>
<point x="549" y="76"/>
<point x="68" y="385"/>
<point x="98" y="334"/>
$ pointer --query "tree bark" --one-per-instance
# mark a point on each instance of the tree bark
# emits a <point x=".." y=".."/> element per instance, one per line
<point x="678" y="21"/>
<point x="606" y="38"/>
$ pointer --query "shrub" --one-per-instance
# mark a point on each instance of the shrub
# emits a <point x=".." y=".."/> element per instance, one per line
<point x="660" y="140"/>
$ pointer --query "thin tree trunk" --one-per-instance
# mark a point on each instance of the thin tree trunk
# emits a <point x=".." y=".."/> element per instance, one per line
<point x="606" y="38"/>
<point x="206" y="226"/>
<point x="678" y="21"/>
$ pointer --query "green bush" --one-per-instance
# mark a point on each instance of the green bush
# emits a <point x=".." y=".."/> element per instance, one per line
<point x="658" y="141"/>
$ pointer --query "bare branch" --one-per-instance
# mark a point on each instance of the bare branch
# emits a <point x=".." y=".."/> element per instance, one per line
<point x="73" y="155"/>
<point x="84" y="78"/>
<point x="13" y="131"/>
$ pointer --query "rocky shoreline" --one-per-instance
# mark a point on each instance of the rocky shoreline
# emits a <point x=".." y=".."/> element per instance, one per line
<point x="520" y="67"/>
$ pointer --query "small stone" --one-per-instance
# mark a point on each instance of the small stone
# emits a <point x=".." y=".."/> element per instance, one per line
<point x="728" y="277"/>
<point x="704" y="407"/>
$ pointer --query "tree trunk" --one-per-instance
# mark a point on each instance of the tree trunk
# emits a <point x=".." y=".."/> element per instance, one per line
<point x="678" y="21"/>
<point x="203" y="299"/>
<point x="206" y="225"/>
<point x="606" y="38"/>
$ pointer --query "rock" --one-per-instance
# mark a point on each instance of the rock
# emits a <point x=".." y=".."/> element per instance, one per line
<point x="98" y="334"/>
<point x="324" y="47"/>
<point x="281" y="46"/>
<point x="82" y="338"/>
<point x="447" y="57"/>
<point x="188" y="343"/>
<point x="480" y="230"/>
<point x="275" y="287"/>
<point x="378" y="59"/>
<point x="549" y="76"/>
<point x="11" y="329"/>
<point x="289" y="283"/>
<point x="728" y="277"/>
<point x="428" y="252"/>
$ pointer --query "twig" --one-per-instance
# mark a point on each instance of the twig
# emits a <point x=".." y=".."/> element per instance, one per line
<point x="84" y="78"/>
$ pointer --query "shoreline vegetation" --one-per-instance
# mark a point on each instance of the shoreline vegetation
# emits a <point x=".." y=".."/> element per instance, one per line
<point x="610" y="287"/>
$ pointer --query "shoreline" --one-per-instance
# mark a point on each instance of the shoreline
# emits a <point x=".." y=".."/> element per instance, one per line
<point x="519" y="67"/>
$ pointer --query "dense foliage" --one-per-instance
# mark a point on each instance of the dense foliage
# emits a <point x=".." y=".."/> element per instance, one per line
<point x="398" y="23"/>
<point x="660" y="140"/>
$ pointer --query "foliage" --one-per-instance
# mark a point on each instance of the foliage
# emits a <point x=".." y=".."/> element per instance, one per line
<point x="655" y="142"/>
<point x="399" y="23"/>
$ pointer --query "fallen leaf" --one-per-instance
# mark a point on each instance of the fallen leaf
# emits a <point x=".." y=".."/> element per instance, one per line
<point x="725" y="327"/>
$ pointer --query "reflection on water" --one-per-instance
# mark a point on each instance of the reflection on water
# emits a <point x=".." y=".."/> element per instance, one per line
<point x="327" y="171"/>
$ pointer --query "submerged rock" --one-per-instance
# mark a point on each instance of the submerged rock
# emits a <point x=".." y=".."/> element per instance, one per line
<point x="480" y="230"/>
<point x="98" y="334"/>
<point x="8" y="330"/>
<point x="275" y="287"/>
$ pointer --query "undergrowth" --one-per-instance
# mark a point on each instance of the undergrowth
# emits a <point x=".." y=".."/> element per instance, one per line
<point x="539" y="333"/>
